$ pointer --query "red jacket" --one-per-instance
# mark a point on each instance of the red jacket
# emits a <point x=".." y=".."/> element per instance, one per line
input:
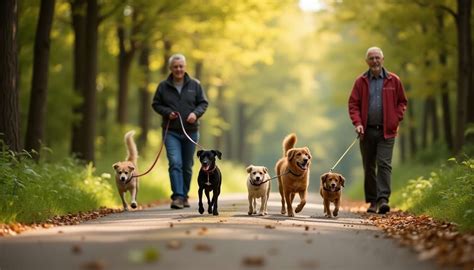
<point x="393" y="98"/>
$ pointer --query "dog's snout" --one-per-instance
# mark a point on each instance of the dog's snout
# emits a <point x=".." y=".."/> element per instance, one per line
<point x="123" y="178"/>
<point x="333" y="184"/>
<point x="257" y="178"/>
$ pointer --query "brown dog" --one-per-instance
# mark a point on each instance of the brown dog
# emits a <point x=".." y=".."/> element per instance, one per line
<point x="125" y="172"/>
<point x="330" y="190"/>
<point x="293" y="174"/>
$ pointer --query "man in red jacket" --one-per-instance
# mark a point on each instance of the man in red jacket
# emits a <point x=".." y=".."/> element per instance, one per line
<point x="376" y="107"/>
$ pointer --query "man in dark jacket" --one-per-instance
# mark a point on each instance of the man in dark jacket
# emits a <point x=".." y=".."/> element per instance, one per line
<point x="376" y="106"/>
<point x="183" y="94"/>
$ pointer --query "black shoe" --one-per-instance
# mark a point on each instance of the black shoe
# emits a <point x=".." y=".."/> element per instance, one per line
<point x="177" y="203"/>
<point x="372" y="208"/>
<point x="186" y="203"/>
<point x="383" y="207"/>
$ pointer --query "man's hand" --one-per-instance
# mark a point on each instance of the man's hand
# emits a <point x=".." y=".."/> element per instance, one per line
<point x="173" y="116"/>
<point x="359" y="130"/>
<point x="191" y="118"/>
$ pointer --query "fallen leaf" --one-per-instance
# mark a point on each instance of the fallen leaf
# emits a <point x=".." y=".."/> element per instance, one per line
<point x="253" y="261"/>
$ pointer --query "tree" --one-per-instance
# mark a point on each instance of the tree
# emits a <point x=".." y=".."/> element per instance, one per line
<point x="9" y="108"/>
<point x="39" y="82"/>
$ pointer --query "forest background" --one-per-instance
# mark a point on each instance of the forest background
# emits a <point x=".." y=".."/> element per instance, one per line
<point x="84" y="72"/>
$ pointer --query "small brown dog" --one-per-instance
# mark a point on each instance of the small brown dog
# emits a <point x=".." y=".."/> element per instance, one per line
<point x="293" y="171"/>
<point x="258" y="186"/>
<point x="330" y="190"/>
<point x="125" y="172"/>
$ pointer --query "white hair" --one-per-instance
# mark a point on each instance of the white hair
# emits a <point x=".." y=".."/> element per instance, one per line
<point x="373" y="49"/>
<point x="174" y="57"/>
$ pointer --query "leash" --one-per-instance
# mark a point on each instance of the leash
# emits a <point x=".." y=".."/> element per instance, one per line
<point x="157" y="156"/>
<point x="186" y="134"/>
<point x="347" y="150"/>
<point x="267" y="180"/>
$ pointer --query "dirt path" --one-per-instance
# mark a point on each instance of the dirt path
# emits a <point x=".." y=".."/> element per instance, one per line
<point x="161" y="238"/>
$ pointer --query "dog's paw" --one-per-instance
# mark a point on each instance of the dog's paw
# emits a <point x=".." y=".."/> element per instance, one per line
<point x="201" y="210"/>
<point x="209" y="210"/>
<point x="133" y="205"/>
<point x="283" y="211"/>
<point x="261" y="214"/>
<point x="125" y="209"/>
<point x="328" y="216"/>
<point x="291" y="214"/>
<point x="215" y="213"/>
<point x="335" y="213"/>
<point x="250" y="213"/>
<point x="299" y="207"/>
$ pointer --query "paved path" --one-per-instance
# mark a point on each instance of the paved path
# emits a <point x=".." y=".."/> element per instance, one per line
<point x="183" y="239"/>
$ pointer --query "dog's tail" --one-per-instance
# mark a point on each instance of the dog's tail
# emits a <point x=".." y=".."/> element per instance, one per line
<point x="132" y="152"/>
<point x="288" y="143"/>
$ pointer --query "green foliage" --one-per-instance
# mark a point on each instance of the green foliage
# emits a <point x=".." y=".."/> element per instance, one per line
<point x="447" y="195"/>
<point x="33" y="192"/>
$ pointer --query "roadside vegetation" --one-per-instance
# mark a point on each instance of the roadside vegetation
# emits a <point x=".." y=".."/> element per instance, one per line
<point x="34" y="192"/>
<point x="433" y="185"/>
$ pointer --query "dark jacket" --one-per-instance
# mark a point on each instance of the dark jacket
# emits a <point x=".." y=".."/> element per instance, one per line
<point x="394" y="103"/>
<point x="192" y="99"/>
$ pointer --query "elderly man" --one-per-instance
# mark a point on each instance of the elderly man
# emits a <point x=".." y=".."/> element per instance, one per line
<point x="376" y="107"/>
<point x="183" y="94"/>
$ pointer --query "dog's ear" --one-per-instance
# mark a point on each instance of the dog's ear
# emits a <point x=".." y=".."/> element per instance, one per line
<point x="217" y="153"/>
<point x="324" y="177"/>
<point x="115" y="166"/>
<point x="290" y="154"/>
<point x="265" y="169"/>
<point x="343" y="180"/>
<point x="199" y="153"/>
<point x="309" y="152"/>
<point x="132" y="168"/>
<point x="249" y="168"/>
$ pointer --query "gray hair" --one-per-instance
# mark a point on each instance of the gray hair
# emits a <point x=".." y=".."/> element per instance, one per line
<point x="373" y="49"/>
<point x="174" y="57"/>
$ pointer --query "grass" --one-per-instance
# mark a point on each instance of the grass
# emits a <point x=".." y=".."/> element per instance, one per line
<point x="33" y="192"/>
<point x="440" y="188"/>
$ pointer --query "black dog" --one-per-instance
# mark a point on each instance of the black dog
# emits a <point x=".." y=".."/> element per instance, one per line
<point x="209" y="179"/>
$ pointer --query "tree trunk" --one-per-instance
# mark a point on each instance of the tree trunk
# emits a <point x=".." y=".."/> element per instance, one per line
<point x="9" y="107"/>
<point x="78" y="10"/>
<point x="125" y="60"/>
<point x="166" y="55"/>
<point x="402" y="145"/>
<point x="241" y="132"/>
<point x="424" y="123"/>
<point x="221" y="110"/>
<point x="434" y="119"/>
<point x="145" y="99"/>
<point x="463" y="23"/>
<point x="445" y="105"/>
<point x="88" y="125"/>
<point x="39" y="83"/>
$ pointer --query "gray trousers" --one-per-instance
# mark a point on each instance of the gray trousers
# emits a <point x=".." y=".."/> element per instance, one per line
<point x="377" y="161"/>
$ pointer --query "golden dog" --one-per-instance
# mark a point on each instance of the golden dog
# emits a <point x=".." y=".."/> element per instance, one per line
<point x="125" y="172"/>
<point x="293" y="174"/>
<point x="330" y="190"/>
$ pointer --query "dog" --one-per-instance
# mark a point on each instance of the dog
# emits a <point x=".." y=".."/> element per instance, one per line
<point x="125" y="172"/>
<point x="209" y="179"/>
<point x="293" y="174"/>
<point x="330" y="190"/>
<point x="258" y="186"/>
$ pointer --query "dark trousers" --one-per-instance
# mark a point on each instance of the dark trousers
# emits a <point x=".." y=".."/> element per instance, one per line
<point x="377" y="161"/>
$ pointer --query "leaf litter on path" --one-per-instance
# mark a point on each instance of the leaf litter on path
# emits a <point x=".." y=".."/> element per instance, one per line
<point x="432" y="239"/>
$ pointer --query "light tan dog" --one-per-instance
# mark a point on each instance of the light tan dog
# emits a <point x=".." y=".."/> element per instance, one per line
<point x="330" y="190"/>
<point x="125" y="172"/>
<point x="293" y="171"/>
<point x="258" y="186"/>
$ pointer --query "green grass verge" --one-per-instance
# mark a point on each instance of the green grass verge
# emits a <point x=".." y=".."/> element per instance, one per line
<point x="443" y="190"/>
<point x="33" y="192"/>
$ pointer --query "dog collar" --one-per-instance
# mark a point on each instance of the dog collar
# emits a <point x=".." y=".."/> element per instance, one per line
<point x="328" y="190"/>
<point x="297" y="175"/>
<point x="261" y="183"/>
<point x="129" y="179"/>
